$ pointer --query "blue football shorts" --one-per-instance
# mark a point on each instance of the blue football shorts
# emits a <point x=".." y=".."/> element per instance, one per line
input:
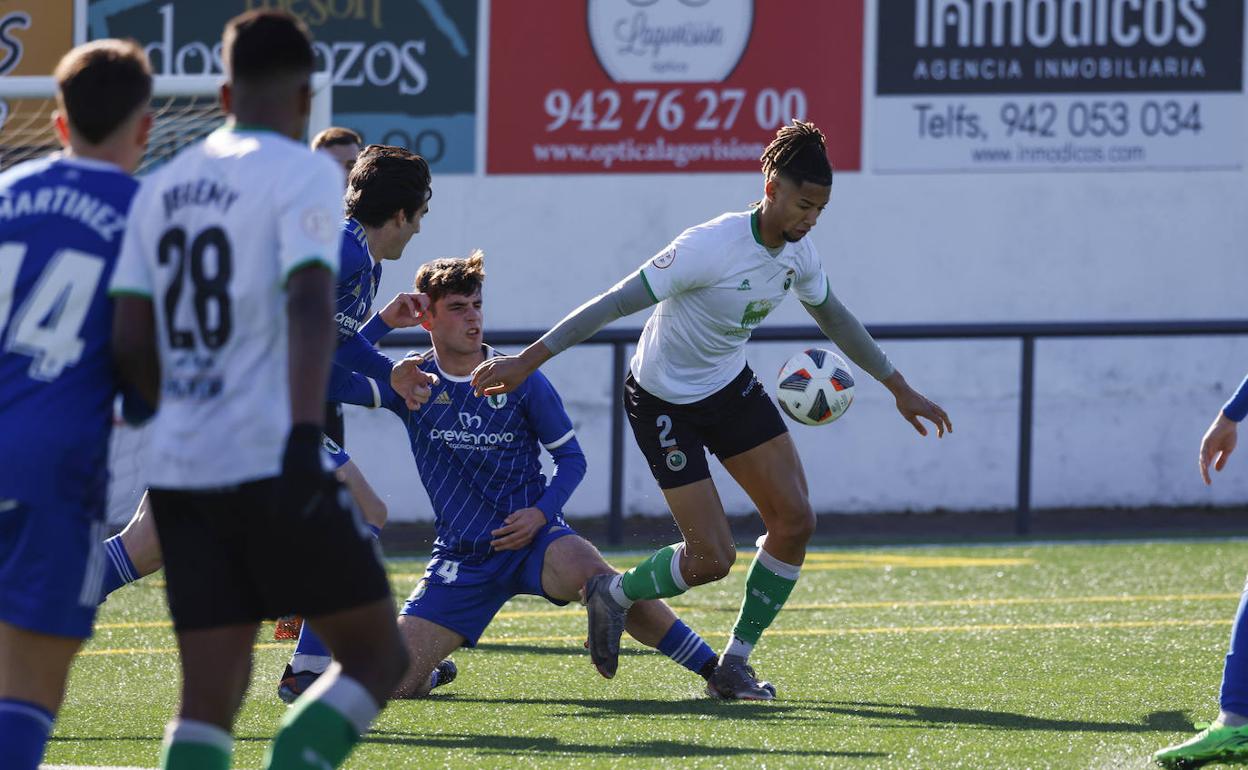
<point x="465" y="597"/>
<point x="52" y="565"/>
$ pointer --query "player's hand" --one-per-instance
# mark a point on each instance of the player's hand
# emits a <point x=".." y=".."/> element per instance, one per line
<point x="500" y="374"/>
<point x="518" y="529"/>
<point x="304" y="479"/>
<point x="406" y="310"/>
<point x="411" y="382"/>
<point x="1219" y="442"/>
<point x="912" y="404"/>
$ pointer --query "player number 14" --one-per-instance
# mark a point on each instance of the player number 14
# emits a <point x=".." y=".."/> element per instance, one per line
<point x="48" y="325"/>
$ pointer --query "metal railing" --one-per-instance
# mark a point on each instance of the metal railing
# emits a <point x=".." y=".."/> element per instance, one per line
<point x="1027" y="333"/>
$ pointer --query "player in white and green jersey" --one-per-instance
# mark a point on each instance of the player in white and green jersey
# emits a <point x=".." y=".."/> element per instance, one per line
<point x="224" y="318"/>
<point x="690" y="390"/>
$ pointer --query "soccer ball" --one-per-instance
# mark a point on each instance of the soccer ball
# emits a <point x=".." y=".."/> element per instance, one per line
<point x="815" y="387"/>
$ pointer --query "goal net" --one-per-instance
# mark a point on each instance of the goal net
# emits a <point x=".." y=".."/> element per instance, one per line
<point x="185" y="109"/>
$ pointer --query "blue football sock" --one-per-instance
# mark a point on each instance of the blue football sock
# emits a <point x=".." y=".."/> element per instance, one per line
<point x="683" y="645"/>
<point x="118" y="569"/>
<point x="1234" y="697"/>
<point x="311" y="654"/>
<point x="24" y="729"/>
<point x="376" y="530"/>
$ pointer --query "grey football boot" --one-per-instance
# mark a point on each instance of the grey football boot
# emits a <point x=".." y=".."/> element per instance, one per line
<point x="606" y="624"/>
<point x="734" y="679"/>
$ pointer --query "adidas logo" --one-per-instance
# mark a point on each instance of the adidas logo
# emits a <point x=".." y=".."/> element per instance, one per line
<point x="443" y="399"/>
<point x="745" y="285"/>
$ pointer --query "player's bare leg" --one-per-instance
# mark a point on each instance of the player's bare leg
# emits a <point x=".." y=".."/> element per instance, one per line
<point x="771" y="474"/>
<point x="140" y="539"/>
<point x="216" y="666"/>
<point x="428" y="645"/>
<point x="34" y="667"/>
<point x="709" y="551"/>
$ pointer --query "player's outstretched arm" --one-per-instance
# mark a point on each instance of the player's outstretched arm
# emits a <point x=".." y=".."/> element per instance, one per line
<point x="503" y="374"/>
<point x="842" y="327"/>
<point x="134" y="346"/>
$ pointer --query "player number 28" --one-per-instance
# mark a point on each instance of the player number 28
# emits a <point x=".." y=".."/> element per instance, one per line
<point x="211" y="298"/>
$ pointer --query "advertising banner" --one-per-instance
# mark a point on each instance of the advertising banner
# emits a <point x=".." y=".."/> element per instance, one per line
<point x="404" y="71"/>
<point x="1026" y="85"/>
<point x="668" y="85"/>
<point x="34" y="35"/>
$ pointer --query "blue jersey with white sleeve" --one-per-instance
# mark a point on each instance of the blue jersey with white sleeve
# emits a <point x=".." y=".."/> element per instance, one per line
<point x="61" y="226"/>
<point x="480" y="458"/>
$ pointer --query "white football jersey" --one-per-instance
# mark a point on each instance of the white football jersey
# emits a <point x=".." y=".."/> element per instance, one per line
<point x="211" y="239"/>
<point x="714" y="284"/>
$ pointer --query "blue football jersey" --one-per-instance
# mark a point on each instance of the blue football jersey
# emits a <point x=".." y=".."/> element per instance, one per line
<point x="61" y="225"/>
<point x="358" y="278"/>
<point x="480" y="458"/>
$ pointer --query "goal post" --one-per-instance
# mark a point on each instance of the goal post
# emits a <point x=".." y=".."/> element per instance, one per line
<point x="185" y="108"/>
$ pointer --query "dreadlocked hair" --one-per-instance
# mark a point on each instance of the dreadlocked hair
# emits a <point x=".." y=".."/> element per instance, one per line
<point x="799" y="153"/>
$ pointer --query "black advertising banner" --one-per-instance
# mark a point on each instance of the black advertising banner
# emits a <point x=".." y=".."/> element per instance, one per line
<point x="1018" y="85"/>
<point x="404" y="71"/>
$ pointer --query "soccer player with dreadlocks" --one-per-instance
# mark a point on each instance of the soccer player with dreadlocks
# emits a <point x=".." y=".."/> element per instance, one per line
<point x="690" y="389"/>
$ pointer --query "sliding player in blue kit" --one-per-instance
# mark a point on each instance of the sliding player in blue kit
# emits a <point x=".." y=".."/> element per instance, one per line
<point x="500" y="525"/>
<point x="61" y="225"/>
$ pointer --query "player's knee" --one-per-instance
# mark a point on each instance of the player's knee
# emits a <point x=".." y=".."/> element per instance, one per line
<point x="710" y="563"/>
<point x="796" y="525"/>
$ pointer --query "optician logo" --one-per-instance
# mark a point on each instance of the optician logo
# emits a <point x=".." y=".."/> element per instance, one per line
<point x="690" y="41"/>
<point x="469" y="421"/>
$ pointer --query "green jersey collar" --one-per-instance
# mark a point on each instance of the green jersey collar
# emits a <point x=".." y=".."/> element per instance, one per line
<point x="758" y="235"/>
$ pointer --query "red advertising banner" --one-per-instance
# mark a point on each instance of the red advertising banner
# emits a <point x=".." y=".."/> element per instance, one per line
<point x="668" y="85"/>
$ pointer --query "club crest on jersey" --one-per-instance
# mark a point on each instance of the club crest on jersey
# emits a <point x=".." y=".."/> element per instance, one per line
<point x="470" y="421"/>
<point x="676" y="460"/>
<point x="745" y="285"/>
<point x="497" y="401"/>
<point x="788" y="280"/>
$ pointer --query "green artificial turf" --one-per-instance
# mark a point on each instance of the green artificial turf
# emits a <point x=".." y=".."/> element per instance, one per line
<point x="1002" y="656"/>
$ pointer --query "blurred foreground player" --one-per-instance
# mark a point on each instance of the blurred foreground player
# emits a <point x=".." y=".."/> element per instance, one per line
<point x="225" y="318"/>
<point x="61" y="225"/>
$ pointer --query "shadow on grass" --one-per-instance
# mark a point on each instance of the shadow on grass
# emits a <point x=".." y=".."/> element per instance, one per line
<point x="638" y="707"/>
<point x="540" y="649"/>
<point x="1156" y="722"/>
<point x="507" y="745"/>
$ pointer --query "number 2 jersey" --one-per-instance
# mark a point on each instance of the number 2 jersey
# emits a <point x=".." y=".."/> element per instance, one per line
<point x="214" y="236"/>
<point x="61" y="225"/>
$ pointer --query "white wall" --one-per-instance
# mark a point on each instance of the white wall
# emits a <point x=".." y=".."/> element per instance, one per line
<point x="1118" y="422"/>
